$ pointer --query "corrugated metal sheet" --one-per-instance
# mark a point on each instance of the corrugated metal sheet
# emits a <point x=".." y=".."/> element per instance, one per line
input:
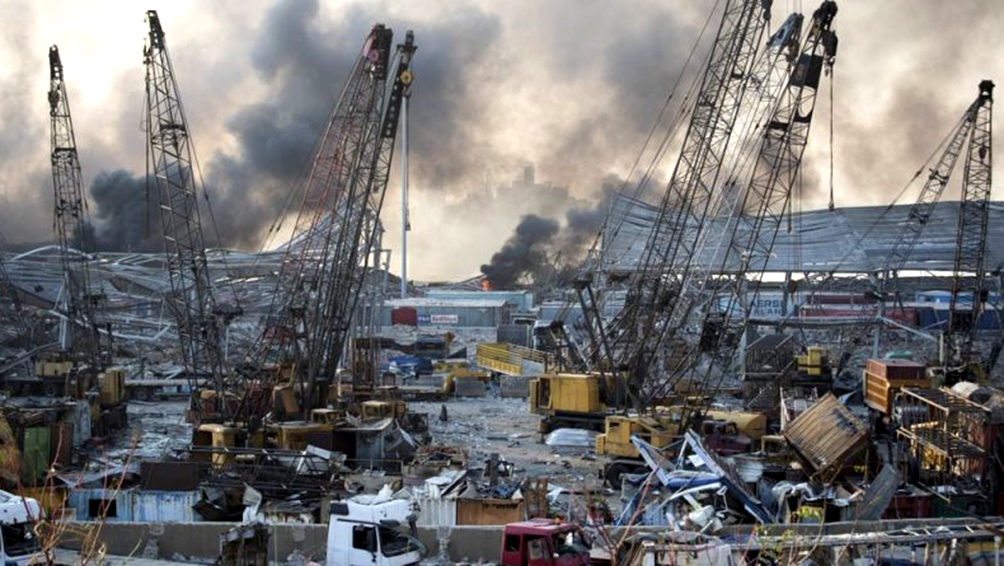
<point x="845" y="240"/>
<point x="133" y="505"/>
<point x="87" y="503"/>
<point x="436" y="512"/>
<point x="164" y="506"/>
<point x="81" y="423"/>
<point x="522" y="300"/>
<point x="826" y="435"/>
<point x="878" y="496"/>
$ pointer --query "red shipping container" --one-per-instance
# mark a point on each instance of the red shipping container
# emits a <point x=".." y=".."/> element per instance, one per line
<point x="407" y="316"/>
<point x="909" y="506"/>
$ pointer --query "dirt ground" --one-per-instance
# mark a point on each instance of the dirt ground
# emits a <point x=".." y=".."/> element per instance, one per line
<point x="505" y="426"/>
<point x="481" y="426"/>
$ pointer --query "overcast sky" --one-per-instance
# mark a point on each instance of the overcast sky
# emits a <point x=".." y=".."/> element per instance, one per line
<point x="572" y="86"/>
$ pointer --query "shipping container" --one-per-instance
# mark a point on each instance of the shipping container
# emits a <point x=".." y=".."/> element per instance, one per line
<point x="406" y="316"/>
<point x="489" y="511"/>
<point x="909" y="506"/>
<point x="879" y="391"/>
<point x="896" y="369"/>
<point x="37" y="451"/>
<point x="904" y="315"/>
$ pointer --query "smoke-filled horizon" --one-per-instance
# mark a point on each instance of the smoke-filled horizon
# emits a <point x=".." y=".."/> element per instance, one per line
<point x="571" y="87"/>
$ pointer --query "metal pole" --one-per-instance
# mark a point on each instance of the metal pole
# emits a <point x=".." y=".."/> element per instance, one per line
<point x="405" y="222"/>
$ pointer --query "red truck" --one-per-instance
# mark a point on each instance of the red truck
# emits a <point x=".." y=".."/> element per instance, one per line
<point x="544" y="542"/>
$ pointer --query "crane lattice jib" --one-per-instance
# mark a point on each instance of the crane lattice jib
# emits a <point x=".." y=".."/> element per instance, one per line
<point x="322" y="273"/>
<point x="784" y="140"/>
<point x="916" y="219"/>
<point x="14" y="317"/>
<point x="974" y="218"/>
<point x="767" y="80"/>
<point x="191" y="298"/>
<point x="70" y="218"/>
<point x="358" y="219"/>
<point x="695" y="174"/>
<point x="765" y="201"/>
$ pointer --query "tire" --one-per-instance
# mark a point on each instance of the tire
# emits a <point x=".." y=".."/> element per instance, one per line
<point x="144" y="393"/>
<point x="612" y="475"/>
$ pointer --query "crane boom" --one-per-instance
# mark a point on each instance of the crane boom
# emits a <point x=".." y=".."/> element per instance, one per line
<point x="322" y="274"/>
<point x="974" y="218"/>
<point x="70" y="220"/>
<point x="687" y="195"/>
<point x="759" y="212"/>
<point x="191" y="299"/>
<point x="918" y="216"/>
<point x="769" y="77"/>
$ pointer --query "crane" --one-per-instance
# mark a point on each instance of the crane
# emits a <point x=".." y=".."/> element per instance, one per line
<point x="337" y="226"/>
<point x="685" y="201"/>
<point x="961" y="358"/>
<point x="739" y="216"/>
<point x="920" y="212"/>
<point x="198" y="317"/>
<point x="767" y="80"/>
<point x="761" y="206"/>
<point x="70" y="220"/>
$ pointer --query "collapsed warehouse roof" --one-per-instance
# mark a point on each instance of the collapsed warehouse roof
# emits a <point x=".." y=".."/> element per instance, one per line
<point x="844" y="240"/>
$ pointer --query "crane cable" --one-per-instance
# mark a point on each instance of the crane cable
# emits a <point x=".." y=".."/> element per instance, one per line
<point x="831" y="139"/>
<point x="670" y="134"/>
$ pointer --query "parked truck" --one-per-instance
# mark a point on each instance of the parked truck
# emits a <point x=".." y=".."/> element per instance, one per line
<point x="373" y="530"/>
<point x="544" y="542"/>
<point x="18" y="544"/>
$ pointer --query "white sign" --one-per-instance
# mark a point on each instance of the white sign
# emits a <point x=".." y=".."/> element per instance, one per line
<point x="443" y="319"/>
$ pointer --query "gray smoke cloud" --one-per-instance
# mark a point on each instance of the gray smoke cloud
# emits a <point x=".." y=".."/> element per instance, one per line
<point x="25" y="180"/>
<point x="305" y="58"/>
<point x="125" y="208"/>
<point x="901" y="86"/>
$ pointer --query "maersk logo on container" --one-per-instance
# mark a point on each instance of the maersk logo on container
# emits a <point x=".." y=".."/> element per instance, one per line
<point x="764" y="306"/>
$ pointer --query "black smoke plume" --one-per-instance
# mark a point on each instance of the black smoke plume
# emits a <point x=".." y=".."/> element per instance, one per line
<point x="525" y="253"/>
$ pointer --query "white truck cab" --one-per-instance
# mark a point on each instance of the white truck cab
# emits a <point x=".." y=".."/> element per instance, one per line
<point x="18" y="544"/>
<point x="373" y="530"/>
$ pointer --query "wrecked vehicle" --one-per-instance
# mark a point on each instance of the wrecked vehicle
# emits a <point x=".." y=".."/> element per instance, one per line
<point x="544" y="542"/>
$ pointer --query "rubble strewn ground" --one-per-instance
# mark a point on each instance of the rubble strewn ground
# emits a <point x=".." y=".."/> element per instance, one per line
<point x="506" y="426"/>
<point x="155" y="430"/>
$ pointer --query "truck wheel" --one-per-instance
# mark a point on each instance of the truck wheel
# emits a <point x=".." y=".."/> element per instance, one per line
<point x="613" y="474"/>
<point x="144" y="393"/>
<point x="615" y="471"/>
<point x="50" y="390"/>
